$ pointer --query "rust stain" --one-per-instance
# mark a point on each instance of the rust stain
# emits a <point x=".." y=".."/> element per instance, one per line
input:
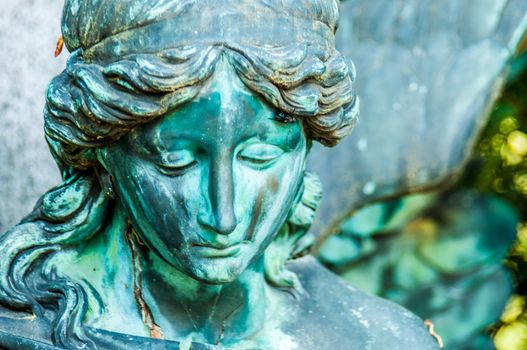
<point x="137" y="238"/>
<point x="523" y="45"/>
<point x="148" y="319"/>
<point x="272" y="182"/>
<point x="430" y="327"/>
<point x="60" y="46"/>
<point x="254" y="218"/>
<point x="146" y="314"/>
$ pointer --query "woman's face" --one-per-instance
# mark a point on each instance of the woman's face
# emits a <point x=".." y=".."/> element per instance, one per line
<point x="208" y="186"/>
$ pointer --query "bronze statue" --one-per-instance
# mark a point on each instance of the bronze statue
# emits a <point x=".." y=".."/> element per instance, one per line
<point x="181" y="129"/>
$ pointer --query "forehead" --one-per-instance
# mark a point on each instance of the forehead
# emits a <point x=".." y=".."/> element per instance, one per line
<point x="223" y="102"/>
<point x="225" y="110"/>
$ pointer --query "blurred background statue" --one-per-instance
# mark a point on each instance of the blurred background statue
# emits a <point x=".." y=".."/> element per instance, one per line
<point x="429" y="74"/>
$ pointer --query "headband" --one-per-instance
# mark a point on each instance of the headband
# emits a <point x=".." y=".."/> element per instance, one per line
<point x="262" y="23"/>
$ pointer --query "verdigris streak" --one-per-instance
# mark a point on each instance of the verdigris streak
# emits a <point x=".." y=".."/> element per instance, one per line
<point x="181" y="129"/>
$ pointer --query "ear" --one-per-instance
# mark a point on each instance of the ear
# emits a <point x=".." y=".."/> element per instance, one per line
<point x="303" y="213"/>
<point x="293" y="240"/>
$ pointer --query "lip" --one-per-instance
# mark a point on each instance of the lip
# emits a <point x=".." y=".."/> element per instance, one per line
<point x="208" y="251"/>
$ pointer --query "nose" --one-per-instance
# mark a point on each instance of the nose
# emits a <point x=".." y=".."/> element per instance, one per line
<point x="221" y="217"/>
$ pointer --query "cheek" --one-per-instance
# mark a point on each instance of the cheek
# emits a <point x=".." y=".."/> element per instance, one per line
<point x="281" y="189"/>
<point x="159" y="205"/>
<point x="264" y="198"/>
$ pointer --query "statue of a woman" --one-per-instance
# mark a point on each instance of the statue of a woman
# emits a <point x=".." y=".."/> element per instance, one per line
<point x="181" y="128"/>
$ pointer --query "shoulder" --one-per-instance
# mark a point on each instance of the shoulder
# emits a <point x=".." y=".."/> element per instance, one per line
<point x="351" y="319"/>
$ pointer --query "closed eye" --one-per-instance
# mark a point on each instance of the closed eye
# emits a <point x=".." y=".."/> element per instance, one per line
<point x="175" y="163"/>
<point x="260" y="153"/>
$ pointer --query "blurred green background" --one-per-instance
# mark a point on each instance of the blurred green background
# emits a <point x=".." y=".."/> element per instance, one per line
<point x="455" y="256"/>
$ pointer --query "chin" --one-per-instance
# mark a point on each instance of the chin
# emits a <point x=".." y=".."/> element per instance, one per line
<point x="217" y="271"/>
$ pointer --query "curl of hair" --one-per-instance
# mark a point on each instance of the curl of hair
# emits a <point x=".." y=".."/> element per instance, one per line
<point x="89" y="106"/>
<point x="65" y="216"/>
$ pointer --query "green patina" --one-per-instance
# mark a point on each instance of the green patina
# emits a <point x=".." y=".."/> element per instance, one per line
<point x="181" y="129"/>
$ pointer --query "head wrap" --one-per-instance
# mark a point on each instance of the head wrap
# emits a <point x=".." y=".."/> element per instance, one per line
<point x="110" y="29"/>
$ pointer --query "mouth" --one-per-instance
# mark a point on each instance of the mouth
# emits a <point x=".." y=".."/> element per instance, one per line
<point x="217" y="251"/>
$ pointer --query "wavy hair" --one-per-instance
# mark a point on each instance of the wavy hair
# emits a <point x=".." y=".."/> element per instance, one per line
<point x="90" y="106"/>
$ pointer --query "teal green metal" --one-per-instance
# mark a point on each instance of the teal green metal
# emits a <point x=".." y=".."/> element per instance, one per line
<point x="181" y="129"/>
<point x="205" y="188"/>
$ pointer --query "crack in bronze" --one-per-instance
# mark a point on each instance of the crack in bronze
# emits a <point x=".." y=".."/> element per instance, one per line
<point x="146" y="313"/>
<point x="223" y="324"/>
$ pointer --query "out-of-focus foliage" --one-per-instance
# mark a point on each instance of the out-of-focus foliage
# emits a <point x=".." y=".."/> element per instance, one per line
<point x="438" y="254"/>
<point x="447" y="255"/>
<point x="500" y="162"/>
<point x="501" y="168"/>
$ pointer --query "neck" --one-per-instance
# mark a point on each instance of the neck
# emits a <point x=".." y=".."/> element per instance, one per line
<point x="139" y="294"/>
<point x="183" y="306"/>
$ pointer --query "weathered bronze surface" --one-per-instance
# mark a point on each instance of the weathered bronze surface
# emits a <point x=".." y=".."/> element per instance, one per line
<point x="181" y="129"/>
